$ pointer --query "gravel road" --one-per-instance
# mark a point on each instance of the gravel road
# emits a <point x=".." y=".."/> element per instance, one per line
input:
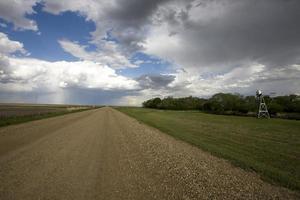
<point x="104" y="154"/>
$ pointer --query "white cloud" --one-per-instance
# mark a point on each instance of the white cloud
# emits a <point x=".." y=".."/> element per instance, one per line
<point x="107" y="54"/>
<point x="170" y="48"/>
<point x="36" y="75"/>
<point x="241" y="79"/>
<point x="90" y="8"/>
<point x="15" y="11"/>
<point x="8" y="46"/>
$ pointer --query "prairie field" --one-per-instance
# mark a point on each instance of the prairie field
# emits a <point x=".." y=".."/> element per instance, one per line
<point x="269" y="147"/>
<point x="18" y="113"/>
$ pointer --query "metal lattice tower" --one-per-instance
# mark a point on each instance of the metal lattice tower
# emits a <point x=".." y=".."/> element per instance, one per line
<point x="262" y="109"/>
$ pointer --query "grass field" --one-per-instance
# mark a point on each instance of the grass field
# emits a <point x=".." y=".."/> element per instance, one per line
<point x="19" y="113"/>
<point x="269" y="147"/>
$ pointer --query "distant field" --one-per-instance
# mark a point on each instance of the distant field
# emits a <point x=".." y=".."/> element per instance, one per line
<point x="269" y="147"/>
<point x="18" y="113"/>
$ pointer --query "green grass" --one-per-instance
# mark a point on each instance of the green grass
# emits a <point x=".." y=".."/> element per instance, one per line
<point x="22" y="119"/>
<point x="269" y="147"/>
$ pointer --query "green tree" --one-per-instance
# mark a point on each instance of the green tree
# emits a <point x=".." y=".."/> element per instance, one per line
<point x="274" y="108"/>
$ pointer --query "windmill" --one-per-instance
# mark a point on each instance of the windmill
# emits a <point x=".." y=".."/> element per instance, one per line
<point x="262" y="109"/>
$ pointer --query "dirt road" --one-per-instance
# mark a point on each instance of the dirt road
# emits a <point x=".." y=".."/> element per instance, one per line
<point x="104" y="154"/>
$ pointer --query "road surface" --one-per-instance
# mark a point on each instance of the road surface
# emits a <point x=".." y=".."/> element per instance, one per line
<point x="104" y="154"/>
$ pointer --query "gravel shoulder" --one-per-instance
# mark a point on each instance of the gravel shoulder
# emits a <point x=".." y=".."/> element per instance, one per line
<point x="104" y="154"/>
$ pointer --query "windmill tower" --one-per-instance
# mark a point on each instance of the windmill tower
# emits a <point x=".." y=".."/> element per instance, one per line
<point x="262" y="109"/>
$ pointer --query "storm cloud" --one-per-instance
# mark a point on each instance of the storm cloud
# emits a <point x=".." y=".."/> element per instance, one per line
<point x="230" y="33"/>
<point x="155" y="81"/>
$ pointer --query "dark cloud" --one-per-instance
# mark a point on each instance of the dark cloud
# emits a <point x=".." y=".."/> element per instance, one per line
<point x="134" y="13"/>
<point x="238" y="32"/>
<point x="129" y="20"/>
<point x="155" y="81"/>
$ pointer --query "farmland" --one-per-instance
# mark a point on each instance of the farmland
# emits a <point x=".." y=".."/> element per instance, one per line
<point x="18" y="113"/>
<point x="269" y="147"/>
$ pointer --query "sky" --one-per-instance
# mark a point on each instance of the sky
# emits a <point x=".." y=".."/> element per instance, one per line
<point x="123" y="52"/>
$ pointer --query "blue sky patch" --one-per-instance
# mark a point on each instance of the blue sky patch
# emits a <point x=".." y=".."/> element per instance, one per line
<point x="43" y="44"/>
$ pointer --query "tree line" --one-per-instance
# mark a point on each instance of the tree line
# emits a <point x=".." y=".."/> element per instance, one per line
<point x="227" y="103"/>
